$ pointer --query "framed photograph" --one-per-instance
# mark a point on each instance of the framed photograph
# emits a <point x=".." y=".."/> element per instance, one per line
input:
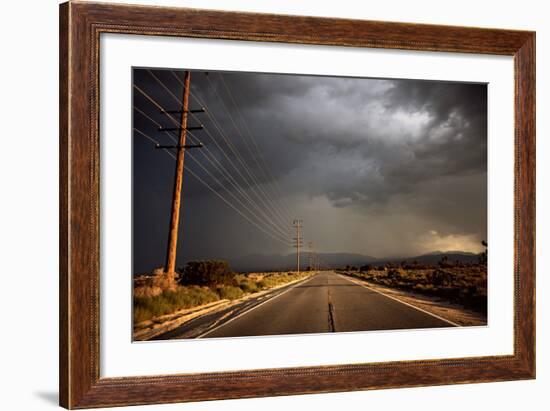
<point x="258" y="205"/>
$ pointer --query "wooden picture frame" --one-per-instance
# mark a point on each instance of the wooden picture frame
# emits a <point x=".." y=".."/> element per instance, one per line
<point x="80" y="27"/>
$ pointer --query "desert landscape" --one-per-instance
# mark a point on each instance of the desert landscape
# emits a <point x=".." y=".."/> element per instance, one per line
<point x="270" y="204"/>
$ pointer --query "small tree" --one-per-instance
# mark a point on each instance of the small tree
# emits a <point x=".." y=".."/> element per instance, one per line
<point x="444" y="262"/>
<point x="483" y="255"/>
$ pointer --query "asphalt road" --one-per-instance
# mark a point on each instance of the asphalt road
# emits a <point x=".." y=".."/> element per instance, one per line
<point x="326" y="302"/>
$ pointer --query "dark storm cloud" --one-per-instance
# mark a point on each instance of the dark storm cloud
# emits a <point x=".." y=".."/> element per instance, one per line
<point x="371" y="148"/>
<point x="364" y="141"/>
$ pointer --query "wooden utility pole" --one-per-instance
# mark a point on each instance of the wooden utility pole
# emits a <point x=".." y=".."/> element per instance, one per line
<point x="297" y="242"/>
<point x="170" y="268"/>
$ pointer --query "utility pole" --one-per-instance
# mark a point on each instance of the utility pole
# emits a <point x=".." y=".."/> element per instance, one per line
<point x="311" y="256"/>
<point x="297" y="242"/>
<point x="316" y="262"/>
<point x="170" y="268"/>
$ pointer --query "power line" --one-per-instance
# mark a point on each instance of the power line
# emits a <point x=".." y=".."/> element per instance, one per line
<point x="229" y="192"/>
<point x="251" y="181"/>
<point x="220" y="184"/>
<point x="209" y="157"/>
<point x="283" y="219"/>
<point x="274" y="236"/>
<point x="265" y="169"/>
<point x="231" y="146"/>
<point x="270" y="224"/>
<point x="278" y="228"/>
<point x="255" y="184"/>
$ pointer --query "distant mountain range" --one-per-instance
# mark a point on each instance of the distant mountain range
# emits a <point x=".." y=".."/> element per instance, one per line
<point x="277" y="262"/>
<point x="435" y="257"/>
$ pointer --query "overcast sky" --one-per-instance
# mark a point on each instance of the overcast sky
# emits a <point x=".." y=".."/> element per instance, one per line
<point x="378" y="167"/>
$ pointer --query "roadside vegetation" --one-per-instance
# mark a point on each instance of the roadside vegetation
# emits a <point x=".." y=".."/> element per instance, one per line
<point x="199" y="283"/>
<point x="457" y="282"/>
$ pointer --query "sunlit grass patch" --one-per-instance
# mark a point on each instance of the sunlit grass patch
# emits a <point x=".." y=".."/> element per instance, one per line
<point x="168" y="302"/>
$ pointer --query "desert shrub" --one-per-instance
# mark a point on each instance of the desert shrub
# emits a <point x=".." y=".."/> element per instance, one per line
<point x="206" y="272"/>
<point x="413" y="265"/>
<point x="150" y="285"/>
<point x="366" y="267"/>
<point x="147" y="291"/>
<point x="229" y="292"/>
<point x="440" y="277"/>
<point x="275" y="279"/>
<point x="248" y="286"/>
<point x="397" y="273"/>
<point x="445" y="263"/>
<point x="483" y="255"/>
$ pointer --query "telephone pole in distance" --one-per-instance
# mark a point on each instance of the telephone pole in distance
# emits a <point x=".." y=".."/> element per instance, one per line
<point x="297" y="242"/>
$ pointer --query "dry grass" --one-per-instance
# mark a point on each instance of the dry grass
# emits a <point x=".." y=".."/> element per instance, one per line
<point x="254" y="282"/>
<point x="147" y="307"/>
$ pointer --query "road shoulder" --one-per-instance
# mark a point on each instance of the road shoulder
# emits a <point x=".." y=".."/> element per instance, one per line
<point x="434" y="305"/>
